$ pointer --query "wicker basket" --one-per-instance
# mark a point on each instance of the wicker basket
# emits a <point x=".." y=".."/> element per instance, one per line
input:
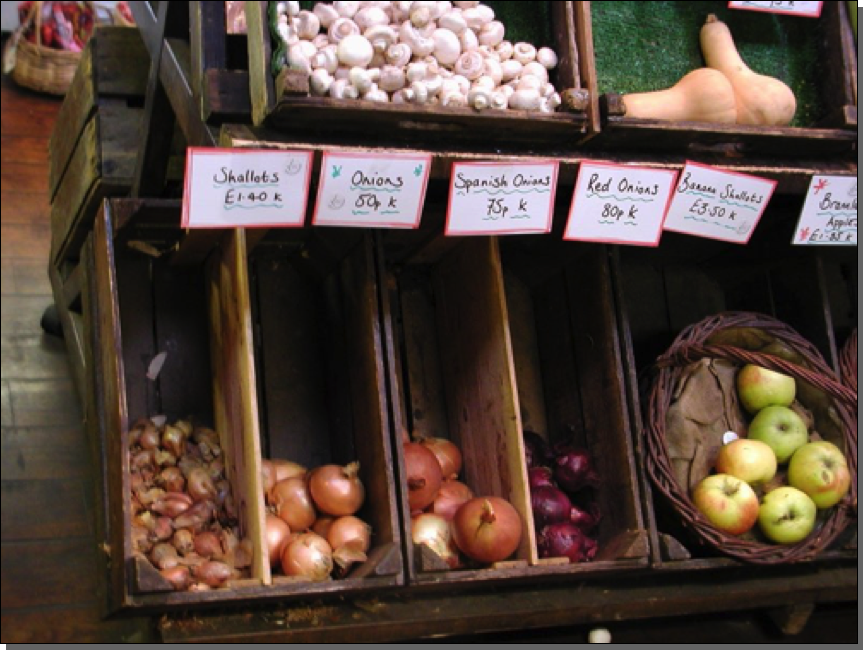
<point x="848" y="362"/>
<point x="693" y="344"/>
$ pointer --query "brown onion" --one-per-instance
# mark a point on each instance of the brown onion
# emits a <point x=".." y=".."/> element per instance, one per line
<point x="213" y="573"/>
<point x="178" y="576"/>
<point x="277" y="533"/>
<point x="434" y="531"/>
<point x="451" y="496"/>
<point x="322" y="525"/>
<point x="447" y="454"/>
<point x="286" y="469"/>
<point x="487" y="529"/>
<point x="424" y="475"/>
<point x="268" y="477"/>
<point x="307" y="555"/>
<point x="350" y="530"/>
<point x="337" y="490"/>
<point x="293" y="503"/>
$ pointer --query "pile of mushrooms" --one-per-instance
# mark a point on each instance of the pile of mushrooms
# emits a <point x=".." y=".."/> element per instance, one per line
<point x="429" y="53"/>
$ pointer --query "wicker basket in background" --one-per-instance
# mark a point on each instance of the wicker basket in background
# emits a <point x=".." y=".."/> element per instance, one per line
<point x="694" y="344"/>
<point x="848" y="361"/>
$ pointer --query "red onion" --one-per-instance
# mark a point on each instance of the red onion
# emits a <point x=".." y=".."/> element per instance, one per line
<point x="565" y="540"/>
<point x="424" y="475"/>
<point x="574" y="469"/>
<point x="536" y="450"/>
<point x="293" y="503"/>
<point x="540" y="475"/>
<point x="308" y="555"/>
<point x="337" y="490"/>
<point x="451" y="496"/>
<point x="447" y="454"/>
<point x="487" y="529"/>
<point x="549" y="505"/>
<point x="434" y="531"/>
<point x="585" y="519"/>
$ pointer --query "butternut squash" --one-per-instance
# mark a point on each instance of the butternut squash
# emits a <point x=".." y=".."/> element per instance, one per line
<point x="703" y="95"/>
<point x="760" y="99"/>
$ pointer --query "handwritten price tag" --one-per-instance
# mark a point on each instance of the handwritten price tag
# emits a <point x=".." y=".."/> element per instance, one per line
<point x="806" y="9"/>
<point x="619" y="204"/>
<point x="717" y="204"/>
<point x="372" y="190"/>
<point x="501" y="198"/>
<point x="829" y="215"/>
<point x="242" y="188"/>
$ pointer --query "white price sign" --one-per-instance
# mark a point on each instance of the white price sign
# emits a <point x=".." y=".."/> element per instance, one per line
<point x="619" y="204"/>
<point x="243" y="188"/>
<point x="805" y="9"/>
<point x="501" y="198"/>
<point x="718" y="204"/>
<point x="385" y="190"/>
<point x="829" y="215"/>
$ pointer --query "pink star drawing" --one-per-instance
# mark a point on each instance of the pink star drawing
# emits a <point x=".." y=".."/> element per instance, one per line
<point x="804" y="234"/>
<point x="820" y="185"/>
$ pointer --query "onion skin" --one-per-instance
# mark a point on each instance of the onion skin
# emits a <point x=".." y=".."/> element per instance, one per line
<point x="277" y="534"/>
<point x="451" y="496"/>
<point x="337" y="490"/>
<point x="447" y="453"/>
<point x="350" y="530"/>
<point x="424" y="475"/>
<point x="434" y="531"/>
<point x="293" y="503"/>
<point x="308" y="555"/>
<point x="487" y="529"/>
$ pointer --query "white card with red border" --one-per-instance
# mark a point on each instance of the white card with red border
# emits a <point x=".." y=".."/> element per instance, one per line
<point x="804" y="9"/>
<point x="488" y="198"/>
<point x="718" y="204"/>
<point x="372" y="190"/>
<point x="619" y="204"/>
<point x="829" y="216"/>
<point x="245" y="188"/>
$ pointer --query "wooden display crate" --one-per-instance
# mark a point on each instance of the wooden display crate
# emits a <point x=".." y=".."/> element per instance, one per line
<point x="686" y="279"/>
<point x="319" y="398"/>
<point x="489" y="337"/>
<point x="829" y="130"/>
<point x="282" y="100"/>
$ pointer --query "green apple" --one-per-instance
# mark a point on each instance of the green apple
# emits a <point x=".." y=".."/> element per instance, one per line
<point x="786" y="515"/>
<point x="752" y="461"/>
<point x="728" y="503"/>
<point x="820" y="470"/>
<point x="759" y="387"/>
<point x="781" y="428"/>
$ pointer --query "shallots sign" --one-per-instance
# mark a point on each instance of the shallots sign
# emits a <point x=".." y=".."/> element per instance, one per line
<point x="245" y="188"/>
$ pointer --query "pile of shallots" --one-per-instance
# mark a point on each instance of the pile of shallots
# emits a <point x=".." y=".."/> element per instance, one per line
<point x="312" y="530"/>
<point x="430" y="53"/>
<point x="184" y="518"/>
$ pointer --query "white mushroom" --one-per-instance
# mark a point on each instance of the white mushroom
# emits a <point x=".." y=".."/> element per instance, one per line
<point x="347" y="9"/>
<point x="441" y="9"/>
<point x="505" y="50"/>
<point x="362" y="79"/>
<point x="326" y="58"/>
<point x="547" y="90"/>
<point x="492" y="33"/>
<point x="326" y="13"/>
<point x="342" y="28"/>
<point x="381" y="37"/>
<point x="355" y="50"/>
<point x="499" y="100"/>
<point x="547" y="57"/>
<point x="320" y="82"/>
<point x="447" y="47"/>
<point x="535" y="69"/>
<point x="433" y="83"/>
<point x="469" y="40"/>
<point x="453" y="99"/>
<point x="375" y="94"/>
<point x="465" y="5"/>
<point x="525" y="100"/>
<point x="416" y="71"/>
<point x="479" y="98"/>
<point x="420" y="40"/>
<point x="549" y="104"/>
<point x="321" y="41"/>
<point x="470" y="65"/>
<point x="370" y="17"/>
<point x="342" y="89"/>
<point x="492" y="68"/>
<point x="524" y="53"/>
<point x="292" y="8"/>
<point x="392" y="78"/>
<point x="484" y="81"/>
<point x="417" y="93"/>
<point x="506" y="90"/>
<point x="300" y="56"/>
<point x="422" y="13"/>
<point x="511" y="69"/>
<point x="287" y="32"/>
<point x="529" y="82"/>
<point x="399" y="54"/>
<point x="453" y="21"/>
<point x="307" y="24"/>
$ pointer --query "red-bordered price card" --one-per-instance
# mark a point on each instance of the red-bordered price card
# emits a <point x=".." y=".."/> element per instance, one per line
<point x="804" y="9"/>
<point x="619" y="204"/>
<point x="501" y="198"/>
<point x="829" y="216"/>
<point x="374" y="190"/>
<point x="718" y="204"/>
<point x="245" y="188"/>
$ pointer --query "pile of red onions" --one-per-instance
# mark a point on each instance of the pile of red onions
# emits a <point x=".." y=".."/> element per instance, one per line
<point x="184" y="518"/>
<point x="562" y="478"/>
<point x="446" y="516"/>
<point x="312" y="529"/>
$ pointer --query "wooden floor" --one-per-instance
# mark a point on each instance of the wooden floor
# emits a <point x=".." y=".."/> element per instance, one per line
<point x="49" y="572"/>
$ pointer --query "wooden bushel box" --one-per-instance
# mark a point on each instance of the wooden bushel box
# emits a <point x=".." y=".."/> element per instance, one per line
<point x="140" y="303"/>
<point x="825" y="84"/>
<point x="282" y="99"/>
<point x="488" y="337"/>
<point x="686" y="279"/>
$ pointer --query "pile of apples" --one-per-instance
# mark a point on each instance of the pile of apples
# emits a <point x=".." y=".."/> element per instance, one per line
<point x="817" y="471"/>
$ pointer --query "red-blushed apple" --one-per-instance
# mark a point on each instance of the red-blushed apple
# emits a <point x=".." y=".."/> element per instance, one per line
<point x="820" y="470"/>
<point x="752" y="461"/>
<point x="759" y="387"/>
<point x="729" y="503"/>
<point x="786" y="515"/>
<point x="781" y="428"/>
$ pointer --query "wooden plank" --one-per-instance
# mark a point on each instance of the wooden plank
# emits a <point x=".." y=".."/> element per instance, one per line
<point x="226" y="96"/>
<point x="38" y="566"/>
<point x="234" y="389"/>
<point x="26" y="149"/>
<point x="26" y="502"/>
<point x="44" y="453"/>
<point x="207" y="31"/>
<point x="260" y="52"/>
<point x="25" y="240"/>
<point x="482" y="397"/>
<point x="580" y="13"/>
<point x="120" y="63"/>
<point x="24" y="177"/>
<point x="24" y="209"/>
<point x="44" y="403"/>
<point x="78" y="623"/>
<point x="174" y="74"/>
